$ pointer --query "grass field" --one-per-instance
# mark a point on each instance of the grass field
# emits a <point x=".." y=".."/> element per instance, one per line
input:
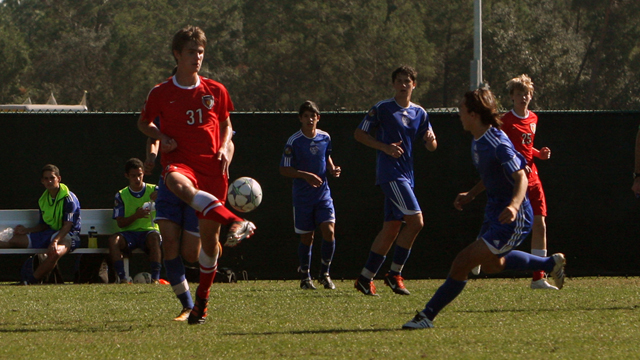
<point x="492" y="319"/>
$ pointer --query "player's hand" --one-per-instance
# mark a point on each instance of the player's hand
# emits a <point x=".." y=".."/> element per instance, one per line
<point x="142" y="212"/>
<point x="461" y="200"/>
<point x="313" y="179"/>
<point x="394" y="149"/>
<point x="527" y="169"/>
<point x="149" y="164"/>
<point x="545" y="153"/>
<point x="429" y="136"/>
<point x="20" y="230"/>
<point x="336" y="171"/>
<point x="508" y="215"/>
<point x="224" y="158"/>
<point x="167" y="144"/>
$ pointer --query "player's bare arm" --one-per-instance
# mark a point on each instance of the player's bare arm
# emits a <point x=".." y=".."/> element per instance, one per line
<point x="313" y="179"/>
<point x="542" y="154"/>
<point x="139" y="214"/>
<point x="333" y="170"/>
<point x="508" y="215"/>
<point x="225" y="153"/>
<point x="430" y="141"/>
<point x="394" y="149"/>
<point x="64" y="230"/>
<point x="153" y="146"/>
<point x="150" y="129"/>
<point x="23" y="230"/>
<point x="464" y="198"/>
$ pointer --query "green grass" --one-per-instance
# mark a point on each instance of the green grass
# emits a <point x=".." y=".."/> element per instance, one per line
<point x="492" y="319"/>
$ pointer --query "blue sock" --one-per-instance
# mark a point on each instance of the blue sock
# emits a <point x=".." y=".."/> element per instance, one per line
<point x="520" y="260"/>
<point x="304" y="254"/>
<point x="372" y="266"/>
<point x="443" y="296"/>
<point x="155" y="270"/>
<point x="118" y="266"/>
<point x="175" y="275"/>
<point x="400" y="257"/>
<point x="326" y="250"/>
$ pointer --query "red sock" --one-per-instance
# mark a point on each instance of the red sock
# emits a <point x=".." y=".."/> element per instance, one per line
<point x="537" y="275"/>
<point x="206" y="280"/>
<point x="217" y="212"/>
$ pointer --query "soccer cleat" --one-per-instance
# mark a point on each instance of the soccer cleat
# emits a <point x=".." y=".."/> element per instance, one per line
<point x="396" y="283"/>
<point x="419" y="321"/>
<point x="184" y="315"/>
<point x="367" y="288"/>
<point x="128" y="280"/>
<point x="239" y="231"/>
<point x="307" y="284"/>
<point x="325" y="281"/>
<point x="198" y="314"/>
<point x="542" y="284"/>
<point x="558" y="270"/>
<point x="476" y="270"/>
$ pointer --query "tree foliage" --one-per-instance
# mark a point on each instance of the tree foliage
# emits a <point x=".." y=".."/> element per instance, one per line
<point x="272" y="55"/>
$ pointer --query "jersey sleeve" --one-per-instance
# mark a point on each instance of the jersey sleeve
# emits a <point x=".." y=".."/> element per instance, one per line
<point x="370" y="120"/>
<point x="151" y="109"/>
<point x="69" y="209"/>
<point x="287" y="156"/>
<point x="424" y="126"/>
<point x="118" y="207"/>
<point x="226" y="105"/>
<point x="510" y="159"/>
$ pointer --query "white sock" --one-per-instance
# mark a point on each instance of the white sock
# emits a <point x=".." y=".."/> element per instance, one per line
<point x="201" y="200"/>
<point x="539" y="252"/>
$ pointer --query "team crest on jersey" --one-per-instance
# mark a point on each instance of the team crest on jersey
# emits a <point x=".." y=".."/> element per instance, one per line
<point x="405" y="119"/>
<point x="208" y="101"/>
<point x="372" y="113"/>
<point x="533" y="128"/>
<point x="288" y="150"/>
<point x="313" y="148"/>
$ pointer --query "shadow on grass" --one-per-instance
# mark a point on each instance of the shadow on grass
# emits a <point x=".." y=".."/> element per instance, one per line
<point x="304" y="332"/>
<point x="107" y="327"/>
<point x="634" y="307"/>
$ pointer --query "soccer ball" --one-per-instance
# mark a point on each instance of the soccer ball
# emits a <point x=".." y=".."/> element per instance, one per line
<point x="245" y="194"/>
<point x="142" y="278"/>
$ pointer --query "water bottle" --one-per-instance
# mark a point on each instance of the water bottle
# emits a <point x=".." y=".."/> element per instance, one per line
<point x="6" y="234"/>
<point x="93" y="238"/>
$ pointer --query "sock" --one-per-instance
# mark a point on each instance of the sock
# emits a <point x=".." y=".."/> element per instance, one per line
<point x="155" y="270"/>
<point x="211" y="208"/>
<point x="539" y="274"/>
<point x="118" y="266"/>
<point x="327" y="249"/>
<point x="520" y="260"/>
<point x="400" y="257"/>
<point x="304" y="255"/>
<point x="443" y="296"/>
<point x="175" y="274"/>
<point x="208" y="266"/>
<point x="372" y="266"/>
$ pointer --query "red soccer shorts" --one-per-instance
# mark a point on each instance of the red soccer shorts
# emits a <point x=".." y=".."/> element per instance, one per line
<point x="215" y="182"/>
<point x="536" y="197"/>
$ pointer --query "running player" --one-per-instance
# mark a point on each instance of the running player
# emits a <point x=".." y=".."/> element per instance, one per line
<point x="508" y="214"/>
<point x="520" y="125"/>
<point x="307" y="159"/>
<point x="398" y="122"/>
<point x="134" y="216"/>
<point x="195" y="131"/>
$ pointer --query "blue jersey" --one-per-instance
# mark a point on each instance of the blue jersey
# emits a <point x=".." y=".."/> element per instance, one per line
<point x="310" y="155"/>
<point x="118" y="205"/>
<point x="496" y="159"/>
<point x="395" y="123"/>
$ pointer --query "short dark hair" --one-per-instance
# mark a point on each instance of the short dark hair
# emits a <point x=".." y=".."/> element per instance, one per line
<point x="482" y="102"/>
<point x="187" y="34"/>
<point x="133" y="163"/>
<point x="404" y="69"/>
<point x="50" y="167"/>
<point x="308" y="106"/>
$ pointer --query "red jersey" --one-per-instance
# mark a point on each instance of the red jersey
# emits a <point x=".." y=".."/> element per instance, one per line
<point x="521" y="131"/>
<point x="191" y="116"/>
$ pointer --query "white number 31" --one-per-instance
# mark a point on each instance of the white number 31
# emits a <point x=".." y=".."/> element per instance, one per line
<point x="192" y="116"/>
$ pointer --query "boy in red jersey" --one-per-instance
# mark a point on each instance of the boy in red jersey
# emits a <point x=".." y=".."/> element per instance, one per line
<point x="520" y="125"/>
<point x="195" y="132"/>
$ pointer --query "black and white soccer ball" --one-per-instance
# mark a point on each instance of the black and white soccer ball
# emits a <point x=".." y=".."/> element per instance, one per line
<point x="245" y="194"/>
<point x="142" y="278"/>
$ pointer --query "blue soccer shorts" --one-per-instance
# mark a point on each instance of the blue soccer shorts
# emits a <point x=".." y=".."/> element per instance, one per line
<point x="42" y="239"/>
<point x="170" y="207"/>
<point x="502" y="238"/>
<point x="137" y="239"/>
<point x="399" y="200"/>
<point x="307" y="217"/>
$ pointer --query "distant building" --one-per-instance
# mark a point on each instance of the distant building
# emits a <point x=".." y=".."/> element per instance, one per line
<point x="51" y="105"/>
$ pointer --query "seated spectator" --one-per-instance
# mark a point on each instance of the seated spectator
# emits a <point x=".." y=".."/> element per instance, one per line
<point x="134" y="212"/>
<point x="57" y="231"/>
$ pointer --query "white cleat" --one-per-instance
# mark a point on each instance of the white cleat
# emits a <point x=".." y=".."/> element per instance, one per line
<point x="476" y="270"/>
<point x="558" y="270"/>
<point x="243" y="230"/>
<point x="419" y="321"/>
<point x="542" y="284"/>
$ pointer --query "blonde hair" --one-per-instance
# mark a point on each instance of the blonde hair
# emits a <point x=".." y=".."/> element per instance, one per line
<point x="522" y="83"/>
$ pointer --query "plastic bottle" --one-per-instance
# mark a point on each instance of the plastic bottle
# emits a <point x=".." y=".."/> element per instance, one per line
<point x="93" y="238"/>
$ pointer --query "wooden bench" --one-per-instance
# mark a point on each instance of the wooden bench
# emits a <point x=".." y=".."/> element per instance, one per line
<point x="100" y="219"/>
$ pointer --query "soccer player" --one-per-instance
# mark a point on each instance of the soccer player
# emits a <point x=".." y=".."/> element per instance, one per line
<point x="57" y="231"/>
<point x="398" y="122"/>
<point x="520" y="125"/>
<point x="307" y="159"/>
<point x="508" y="214"/>
<point x="195" y="130"/>
<point x="134" y="214"/>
